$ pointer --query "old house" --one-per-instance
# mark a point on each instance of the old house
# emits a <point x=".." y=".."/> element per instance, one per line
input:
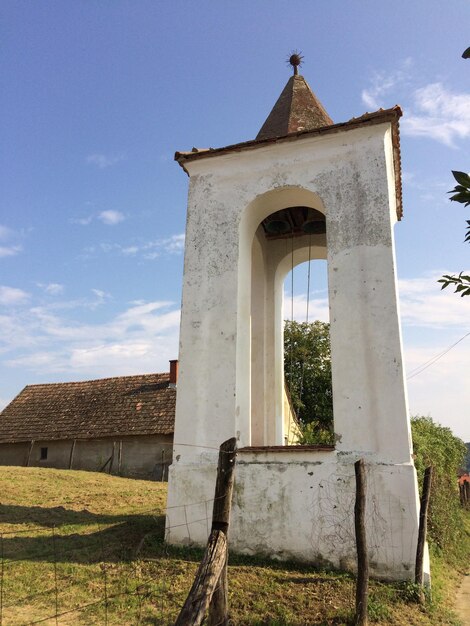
<point x="121" y="425"/>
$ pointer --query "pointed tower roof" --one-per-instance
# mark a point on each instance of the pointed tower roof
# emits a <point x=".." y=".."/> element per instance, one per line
<point x="296" y="109"/>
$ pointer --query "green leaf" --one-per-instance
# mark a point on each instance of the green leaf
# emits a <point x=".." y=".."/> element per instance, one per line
<point x="462" y="178"/>
<point x="461" y="197"/>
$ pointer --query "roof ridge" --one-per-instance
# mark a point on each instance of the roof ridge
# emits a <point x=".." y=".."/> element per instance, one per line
<point x="95" y="380"/>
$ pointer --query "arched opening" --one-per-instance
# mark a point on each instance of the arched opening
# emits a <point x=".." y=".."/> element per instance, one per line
<point x="287" y="228"/>
<point x="307" y="355"/>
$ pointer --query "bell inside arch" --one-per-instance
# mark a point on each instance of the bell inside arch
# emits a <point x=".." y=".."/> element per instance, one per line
<point x="314" y="227"/>
<point x="278" y="227"/>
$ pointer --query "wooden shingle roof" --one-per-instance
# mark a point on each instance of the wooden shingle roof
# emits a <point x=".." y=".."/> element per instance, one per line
<point x="126" y="405"/>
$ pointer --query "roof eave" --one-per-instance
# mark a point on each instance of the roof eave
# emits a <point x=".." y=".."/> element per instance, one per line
<point x="378" y="117"/>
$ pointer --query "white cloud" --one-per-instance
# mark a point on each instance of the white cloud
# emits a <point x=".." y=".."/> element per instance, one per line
<point x="101" y="295"/>
<point x="5" y="232"/>
<point x="130" y="250"/>
<point x="147" y="250"/>
<point x="439" y="114"/>
<point x="424" y="305"/>
<point x="383" y="83"/>
<point x="44" y="340"/>
<point x="9" y="249"/>
<point x="441" y="390"/>
<point x="83" y="221"/>
<point x="317" y="309"/>
<point x="170" y="245"/>
<point x="53" y="289"/>
<point x="11" y="296"/>
<point x="111" y="217"/>
<point x="104" y="160"/>
<point x="433" y="321"/>
<point x="431" y="110"/>
<point x="174" y="244"/>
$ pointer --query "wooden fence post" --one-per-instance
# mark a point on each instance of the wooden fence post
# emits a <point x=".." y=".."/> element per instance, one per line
<point x="466" y="488"/>
<point x="218" y="609"/>
<point x="209" y="589"/>
<point x="423" y="523"/>
<point x="362" y="585"/>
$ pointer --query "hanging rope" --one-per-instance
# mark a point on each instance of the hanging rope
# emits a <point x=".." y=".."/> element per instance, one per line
<point x="292" y="310"/>
<point x="291" y="378"/>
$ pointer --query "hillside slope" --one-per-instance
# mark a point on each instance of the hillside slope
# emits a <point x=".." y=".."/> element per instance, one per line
<point x="90" y="548"/>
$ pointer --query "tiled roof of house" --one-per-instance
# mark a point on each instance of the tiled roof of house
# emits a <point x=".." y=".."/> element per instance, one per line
<point x="297" y="108"/>
<point x="126" y="405"/>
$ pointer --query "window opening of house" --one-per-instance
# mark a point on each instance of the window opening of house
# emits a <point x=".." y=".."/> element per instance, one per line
<point x="43" y="456"/>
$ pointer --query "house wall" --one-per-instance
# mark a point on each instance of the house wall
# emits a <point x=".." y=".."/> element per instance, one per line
<point x="14" y="453"/>
<point x="139" y="457"/>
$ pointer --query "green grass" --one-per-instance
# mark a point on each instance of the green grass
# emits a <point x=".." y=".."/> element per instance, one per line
<point x="98" y="535"/>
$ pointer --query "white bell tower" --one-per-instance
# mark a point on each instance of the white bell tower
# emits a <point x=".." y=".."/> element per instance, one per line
<point x="338" y="186"/>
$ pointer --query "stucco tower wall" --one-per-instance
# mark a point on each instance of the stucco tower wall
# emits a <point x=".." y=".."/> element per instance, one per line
<point x="349" y="176"/>
<point x="229" y="195"/>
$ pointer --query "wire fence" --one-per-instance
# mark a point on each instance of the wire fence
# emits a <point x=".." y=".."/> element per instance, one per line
<point x="90" y="568"/>
<point x="101" y="573"/>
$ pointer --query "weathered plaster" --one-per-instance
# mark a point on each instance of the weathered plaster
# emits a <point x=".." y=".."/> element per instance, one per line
<point x="231" y="353"/>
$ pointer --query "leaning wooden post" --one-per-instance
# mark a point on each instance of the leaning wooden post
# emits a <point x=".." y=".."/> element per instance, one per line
<point x="72" y="452"/>
<point x="362" y="585"/>
<point x="423" y="523"/>
<point x="29" y="453"/>
<point x="209" y="589"/>
<point x="218" y="609"/>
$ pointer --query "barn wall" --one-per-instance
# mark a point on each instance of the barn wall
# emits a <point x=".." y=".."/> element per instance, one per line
<point x="13" y="453"/>
<point x="141" y="456"/>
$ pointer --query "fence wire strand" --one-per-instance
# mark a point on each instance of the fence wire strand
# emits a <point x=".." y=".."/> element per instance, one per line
<point x="118" y="577"/>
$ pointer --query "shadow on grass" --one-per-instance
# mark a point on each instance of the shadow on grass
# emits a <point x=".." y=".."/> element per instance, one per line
<point x="64" y="535"/>
<point x="60" y="516"/>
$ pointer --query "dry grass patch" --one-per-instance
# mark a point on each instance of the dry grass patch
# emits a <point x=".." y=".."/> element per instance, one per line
<point x="91" y="545"/>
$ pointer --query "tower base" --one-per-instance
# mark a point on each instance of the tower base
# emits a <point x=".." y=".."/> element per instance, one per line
<point x="298" y="505"/>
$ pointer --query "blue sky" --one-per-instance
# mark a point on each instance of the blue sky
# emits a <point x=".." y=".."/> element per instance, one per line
<point x="97" y="96"/>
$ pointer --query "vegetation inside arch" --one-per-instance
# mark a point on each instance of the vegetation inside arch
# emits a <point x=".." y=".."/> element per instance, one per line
<point x="307" y="367"/>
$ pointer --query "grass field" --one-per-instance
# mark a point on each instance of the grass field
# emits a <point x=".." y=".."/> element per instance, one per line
<point x="90" y="548"/>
